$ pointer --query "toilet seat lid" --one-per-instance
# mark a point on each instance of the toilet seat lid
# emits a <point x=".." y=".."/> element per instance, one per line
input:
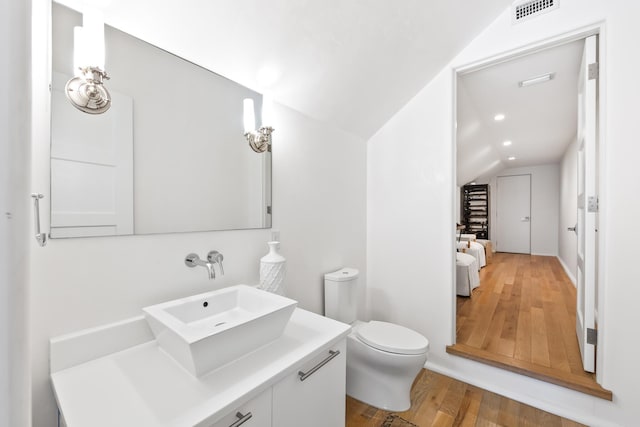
<point x="392" y="338"/>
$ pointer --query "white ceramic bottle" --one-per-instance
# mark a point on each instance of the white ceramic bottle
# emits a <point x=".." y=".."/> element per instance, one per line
<point x="273" y="268"/>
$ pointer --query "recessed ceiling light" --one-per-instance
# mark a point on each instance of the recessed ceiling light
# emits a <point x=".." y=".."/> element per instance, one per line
<point x="506" y="143"/>
<point x="498" y="117"/>
<point x="535" y="80"/>
<point x="511" y="158"/>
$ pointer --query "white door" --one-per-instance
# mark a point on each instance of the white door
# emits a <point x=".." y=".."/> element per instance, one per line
<point x="587" y="205"/>
<point x="91" y="167"/>
<point x="513" y="214"/>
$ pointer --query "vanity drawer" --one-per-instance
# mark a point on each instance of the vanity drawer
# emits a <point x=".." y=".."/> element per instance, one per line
<point x="254" y="413"/>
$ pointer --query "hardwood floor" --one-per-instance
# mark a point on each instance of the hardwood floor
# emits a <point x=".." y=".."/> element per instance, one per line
<point x="437" y="400"/>
<point x="522" y="318"/>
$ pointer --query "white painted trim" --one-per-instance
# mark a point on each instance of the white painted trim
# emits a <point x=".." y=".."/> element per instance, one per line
<point x="523" y="398"/>
<point x="560" y="39"/>
<point x="602" y="221"/>
<point x="543" y="254"/>
<point x="454" y="194"/>
<point x="599" y="28"/>
<point x="570" y="274"/>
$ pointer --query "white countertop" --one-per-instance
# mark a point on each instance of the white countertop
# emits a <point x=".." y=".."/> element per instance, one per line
<point x="143" y="386"/>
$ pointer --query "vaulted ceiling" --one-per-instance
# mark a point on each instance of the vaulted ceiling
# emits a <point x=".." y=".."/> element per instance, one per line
<point x="351" y="63"/>
<point x="540" y="120"/>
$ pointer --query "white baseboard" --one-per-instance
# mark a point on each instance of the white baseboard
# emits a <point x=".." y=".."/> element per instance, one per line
<point x="572" y="277"/>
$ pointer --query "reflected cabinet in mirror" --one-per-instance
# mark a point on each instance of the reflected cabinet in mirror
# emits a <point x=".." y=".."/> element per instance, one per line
<point x="169" y="155"/>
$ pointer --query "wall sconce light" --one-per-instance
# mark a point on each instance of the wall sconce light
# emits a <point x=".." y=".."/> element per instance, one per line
<point x="86" y="90"/>
<point x="260" y="140"/>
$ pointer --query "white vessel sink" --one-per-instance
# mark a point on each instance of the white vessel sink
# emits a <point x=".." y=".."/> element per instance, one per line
<point x="205" y="331"/>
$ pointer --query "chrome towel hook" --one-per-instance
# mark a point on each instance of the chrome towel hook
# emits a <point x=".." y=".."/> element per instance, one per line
<point x="41" y="238"/>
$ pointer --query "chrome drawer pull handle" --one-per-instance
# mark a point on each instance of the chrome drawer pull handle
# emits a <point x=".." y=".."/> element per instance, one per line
<point x="241" y="419"/>
<point x="305" y="375"/>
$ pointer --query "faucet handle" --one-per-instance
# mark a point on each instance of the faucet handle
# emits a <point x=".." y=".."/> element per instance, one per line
<point x="191" y="260"/>
<point x="215" y="257"/>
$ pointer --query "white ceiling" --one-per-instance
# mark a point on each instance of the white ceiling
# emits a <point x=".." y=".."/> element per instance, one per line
<point x="352" y="63"/>
<point x="541" y="120"/>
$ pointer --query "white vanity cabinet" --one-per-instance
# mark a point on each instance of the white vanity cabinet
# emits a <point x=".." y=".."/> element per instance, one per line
<point x="314" y="395"/>
<point x="254" y="413"/>
<point x="119" y="372"/>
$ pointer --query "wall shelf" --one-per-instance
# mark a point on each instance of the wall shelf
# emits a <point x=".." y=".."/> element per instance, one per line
<point x="475" y="210"/>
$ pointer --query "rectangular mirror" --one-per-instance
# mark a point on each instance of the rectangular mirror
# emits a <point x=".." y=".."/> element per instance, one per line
<point x="168" y="156"/>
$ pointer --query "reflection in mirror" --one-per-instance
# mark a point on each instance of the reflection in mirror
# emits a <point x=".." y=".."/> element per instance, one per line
<point x="168" y="156"/>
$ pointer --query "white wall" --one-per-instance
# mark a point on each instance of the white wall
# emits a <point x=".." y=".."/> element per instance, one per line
<point x="15" y="212"/>
<point x="567" y="240"/>
<point x="410" y="220"/>
<point x="319" y="190"/>
<point x="545" y="202"/>
<point x="319" y="199"/>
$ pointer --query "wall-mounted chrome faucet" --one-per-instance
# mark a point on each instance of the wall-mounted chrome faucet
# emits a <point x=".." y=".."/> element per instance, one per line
<point x="213" y="257"/>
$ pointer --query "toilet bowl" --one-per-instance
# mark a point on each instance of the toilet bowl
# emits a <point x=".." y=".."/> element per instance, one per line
<point x="383" y="358"/>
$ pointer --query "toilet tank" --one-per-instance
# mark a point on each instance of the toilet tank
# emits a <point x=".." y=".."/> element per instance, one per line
<point x="340" y="295"/>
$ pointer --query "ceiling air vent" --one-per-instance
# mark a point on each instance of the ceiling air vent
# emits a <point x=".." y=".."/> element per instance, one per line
<point x="524" y="10"/>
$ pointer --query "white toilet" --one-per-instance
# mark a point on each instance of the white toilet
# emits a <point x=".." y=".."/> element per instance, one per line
<point x="383" y="358"/>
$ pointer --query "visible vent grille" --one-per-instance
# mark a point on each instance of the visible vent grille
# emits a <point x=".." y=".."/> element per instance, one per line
<point x="531" y="8"/>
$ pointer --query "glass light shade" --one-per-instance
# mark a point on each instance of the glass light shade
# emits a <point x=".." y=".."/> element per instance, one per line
<point x="79" y="48"/>
<point x="93" y="34"/>
<point x="249" y="115"/>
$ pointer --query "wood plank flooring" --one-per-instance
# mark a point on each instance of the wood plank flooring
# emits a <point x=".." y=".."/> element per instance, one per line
<point x="522" y="318"/>
<point x="437" y="401"/>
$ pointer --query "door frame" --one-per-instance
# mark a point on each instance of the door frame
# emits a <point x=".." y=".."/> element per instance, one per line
<point x="599" y="29"/>
<point x="586" y="221"/>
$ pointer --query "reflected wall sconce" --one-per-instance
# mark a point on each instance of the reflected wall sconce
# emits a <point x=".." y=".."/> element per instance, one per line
<point x="86" y="90"/>
<point x="259" y="140"/>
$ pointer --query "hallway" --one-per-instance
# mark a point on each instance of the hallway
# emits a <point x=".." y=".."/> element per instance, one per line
<point x="522" y="318"/>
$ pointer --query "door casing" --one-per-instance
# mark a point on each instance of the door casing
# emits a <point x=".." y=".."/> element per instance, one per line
<point x="598" y="28"/>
